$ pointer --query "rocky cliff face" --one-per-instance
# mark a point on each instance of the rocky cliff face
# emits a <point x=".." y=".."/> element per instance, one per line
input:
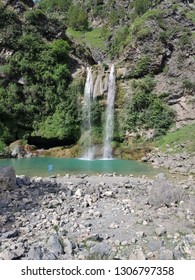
<point x="48" y="27"/>
<point x="168" y="43"/>
<point x="158" y="41"/>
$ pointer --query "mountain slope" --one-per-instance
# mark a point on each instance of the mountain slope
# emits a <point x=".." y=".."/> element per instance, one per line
<point x="45" y="48"/>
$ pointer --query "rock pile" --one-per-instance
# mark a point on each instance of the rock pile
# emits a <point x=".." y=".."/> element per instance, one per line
<point x="81" y="217"/>
<point x="183" y="163"/>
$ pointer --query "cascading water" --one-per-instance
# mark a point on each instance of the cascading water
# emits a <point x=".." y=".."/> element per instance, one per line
<point x="87" y="127"/>
<point x="107" y="149"/>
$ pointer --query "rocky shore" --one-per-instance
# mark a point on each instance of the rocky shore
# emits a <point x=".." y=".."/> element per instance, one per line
<point x="107" y="217"/>
<point x="182" y="163"/>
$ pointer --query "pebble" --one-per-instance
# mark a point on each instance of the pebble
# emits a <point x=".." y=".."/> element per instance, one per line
<point x="101" y="217"/>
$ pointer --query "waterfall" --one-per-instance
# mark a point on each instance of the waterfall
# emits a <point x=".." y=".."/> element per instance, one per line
<point x="87" y="127"/>
<point x="107" y="149"/>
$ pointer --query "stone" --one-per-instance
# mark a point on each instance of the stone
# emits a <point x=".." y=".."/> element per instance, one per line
<point x="78" y="193"/>
<point x="190" y="238"/>
<point x="166" y="254"/>
<point x="8" y="255"/>
<point x="7" y="178"/>
<point x="54" y="245"/>
<point x="101" y="249"/>
<point x="19" y="250"/>
<point x="137" y="254"/>
<point x="23" y="180"/>
<point x="109" y="194"/>
<point x="113" y="226"/>
<point x="160" y="231"/>
<point x="67" y="246"/>
<point x="39" y="253"/>
<point x="140" y="234"/>
<point x="10" y="234"/>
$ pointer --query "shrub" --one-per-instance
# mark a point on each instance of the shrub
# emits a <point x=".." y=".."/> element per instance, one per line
<point x="145" y="110"/>
<point x="118" y="41"/>
<point x="77" y="18"/>
<point x="190" y="86"/>
<point x="142" y="67"/>
<point x="54" y="5"/>
<point x="185" y="40"/>
<point x="141" y="6"/>
<point x="35" y="16"/>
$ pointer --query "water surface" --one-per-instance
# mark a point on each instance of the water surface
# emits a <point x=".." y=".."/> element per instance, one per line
<point x="44" y="166"/>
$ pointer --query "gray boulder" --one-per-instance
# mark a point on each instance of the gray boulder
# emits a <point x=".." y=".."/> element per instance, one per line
<point x="7" y="178"/>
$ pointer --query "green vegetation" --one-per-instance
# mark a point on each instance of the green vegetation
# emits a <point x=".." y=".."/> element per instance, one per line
<point x="145" y="110"/>
<point x="142" y="67"/>
<point x="141" y="6"/>
<point x="185" y="40"/>
<point x="179" y="140"/>
<point x="54" y="5"/>
<point x="77" y="18"/>
<point x="189" y="86"/>
<point x="37" y="96"/>
<point x="191" y="16"/>
<point x="138" y="30"/>
<point x="119" y="41"/>
<point x="94" y="38"/>
<point x="2" y="145"/>
<point x="64" y="123"/>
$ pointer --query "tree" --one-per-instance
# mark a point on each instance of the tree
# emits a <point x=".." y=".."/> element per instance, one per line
<point x="141" y="6"/>
<point x="77" y="18"/>
<point x="146" y="110"/>
<point x="54" y="5"/>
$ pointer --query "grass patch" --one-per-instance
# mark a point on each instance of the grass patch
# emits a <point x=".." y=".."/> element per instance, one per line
<point x="94" y="38"/>
<point x="183" y="136"/>
<point x="191" y="16"/>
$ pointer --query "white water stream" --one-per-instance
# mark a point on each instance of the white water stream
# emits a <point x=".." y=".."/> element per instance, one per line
<point x="109" y="129"/>
<point x="87" y="127"/>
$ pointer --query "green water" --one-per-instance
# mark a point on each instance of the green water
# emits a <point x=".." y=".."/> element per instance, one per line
<point x="38" y="166"/>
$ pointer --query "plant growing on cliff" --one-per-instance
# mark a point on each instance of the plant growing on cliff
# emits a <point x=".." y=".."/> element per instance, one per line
<point x="141" y="6"/>
<point x="64" y="123"/>
<point x="77" y="18"/>
<point x="142" y="67"/>
<point x="34" y="81"/>
<point x="54" y="5"/>
<point x="145" y="110"/>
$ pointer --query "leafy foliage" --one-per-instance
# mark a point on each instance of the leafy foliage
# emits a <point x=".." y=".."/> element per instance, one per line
<point x="55" y="5"/>
<point x="65" y="122"/>
<point x="118" y="41"/>
<point x="77" y="18"/>
<point x="146" y="110"/>
<point x="35" y="96"/>
<point x="141" y="6"/>
<point x="142" y="67"/>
